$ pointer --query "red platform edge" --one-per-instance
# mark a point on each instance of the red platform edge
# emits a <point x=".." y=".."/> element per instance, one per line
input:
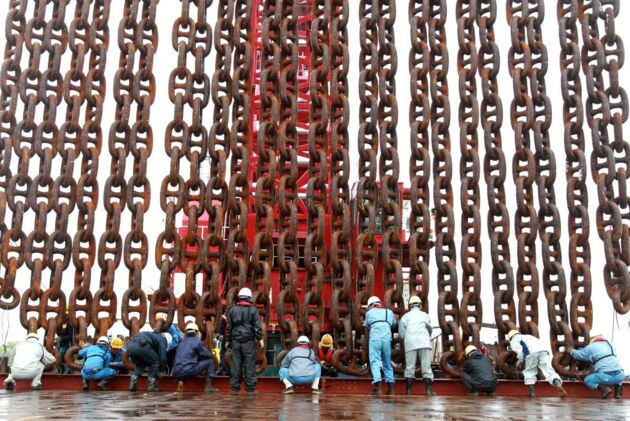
<point x="337" y="386"/>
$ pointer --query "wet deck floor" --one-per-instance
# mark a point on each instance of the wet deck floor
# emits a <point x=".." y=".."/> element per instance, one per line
<point x="172" y="406"/>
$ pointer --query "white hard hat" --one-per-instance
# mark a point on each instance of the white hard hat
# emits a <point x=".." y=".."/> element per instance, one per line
<point x="161" y="316"/>
<point x="511" y="334"/>
<point x="103" y="340"/>
<point x="469" y="349"/>
<point x="595" y="336"/>
<point x="169" y="338"/>
<point x="414" y="300"/>
<point x="192" y="326"/>
<point x="32" y="335"/>
<point x="373" y="300"/>
<point x="303" y="340"/>
<point x="245" y="292"/>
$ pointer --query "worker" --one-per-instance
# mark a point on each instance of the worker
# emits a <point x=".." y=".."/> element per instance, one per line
<point x="415" y="329"/>
<point x="192" y="359"/>
<point x="27" y="362"/>
<point x="118" y="349"/>
<point x="221" y="336"/>
<point x="379" y="322"/>
<point x="147" y="350"/>
<point x="96" y="365"/>
<point x="176" y="336"/>
<point x="478" y="373"/>
<point x="244" y="330"/>
<point x="325" y="353"/>
<point x="300" y="366"/>
<point x="530" y="351"/>
<point x="606" y="368"/>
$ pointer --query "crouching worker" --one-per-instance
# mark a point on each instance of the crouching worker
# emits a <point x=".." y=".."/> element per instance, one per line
<point x="300" y="366"/>
<point x="478" y="374"/>
<point x="529" y="349"/>
<point x="607" y="371"/>
<point x="380" y="321"/>
<point x="147" y="350"/>
<point x="96" y="365"/>
<point x="118" y="349"/>
<point x="415" y="329"/>
<point x="27" y="362"/>
<point x="192" y="359"/>
<point x="325" y="353"/>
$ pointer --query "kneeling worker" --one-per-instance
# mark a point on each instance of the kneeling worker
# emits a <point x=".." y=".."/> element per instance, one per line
<point x="96" y="365"/>
<point x="325" y="352"/>
<point x="300" y="366"/>
<point x="478" y="374"/>
<point x="192" y="358"/>
<point x="607" y="371"/>
<point x="27" y="362"/>
<point x="147" y="350"/>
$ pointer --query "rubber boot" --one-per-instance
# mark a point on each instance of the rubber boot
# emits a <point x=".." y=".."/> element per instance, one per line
<point x="102" y="385"/>
<point x="209" y="388"/>
<point x="557" y="383"/>
<point x="180" y="386"/>
<point x="618" y="390"/>
<point x="532" y="391"/>
<point x="10" y="385"/>
<point x="410" y="383"/>
<point x="376" y="390"/>
<point x="85" y="383"/>
<point x="152" y="382"/>
<point x="390" y="388"/>
<point x="38" y="387"/>
<point x="427" y="386"/>
<point x="604" y="391"/>
<point x="133" y="383"/>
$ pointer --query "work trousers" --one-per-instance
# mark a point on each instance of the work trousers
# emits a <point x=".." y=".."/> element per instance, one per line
<point x="144" y="358"/>
<point x="539" y="360"/>
<point x="599" y="377"/>
<point x="243" y="357"/>
<point x="284" y="374"/>
<point x="381" y="358"/>
<point x="103" y="373"/>
<point x="411" y="358"/>
<point x="35" y="375"/>
<point x="201" y="366"/>
<point x="475" y="385"/>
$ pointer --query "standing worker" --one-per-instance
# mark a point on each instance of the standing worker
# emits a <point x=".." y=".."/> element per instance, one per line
<point x="96" y="364"/>
<point x="300" y="366"/>
<point x="379" y="322"/>
<point x="27" y="362"/>
<point x="147" y="350"/>
<point x="529" y="349"/>
<point x="415" y="329"/>
<point x="192" y="358"/>
<point x="325" y="353"/>
<point x="607" y="371"/>
<point x="478" y="373"/>
<point x="244" y="330"/>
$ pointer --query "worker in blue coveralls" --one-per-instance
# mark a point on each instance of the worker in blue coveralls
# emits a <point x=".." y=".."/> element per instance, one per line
<point x="380" y="322"/>
<point x="96" y="365"/>
<point x="176" y="337"/>
<point x="607" y="371"/>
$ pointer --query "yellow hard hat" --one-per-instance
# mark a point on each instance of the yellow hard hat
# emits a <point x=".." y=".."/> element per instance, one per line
<point x="469" y="349"/>
<point x="327" y="341"/>
<point x="511" y="334"/>
<point x="117" y="343"/>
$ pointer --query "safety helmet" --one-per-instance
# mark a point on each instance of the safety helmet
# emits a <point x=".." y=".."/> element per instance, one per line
<point x="192" y="326"/>
<point x="117" y="343"/>
<point x="469" y="349"/>
<point x="103" y="340"/>
<point x="595" y="336"/>
<point x="415" y="300"/>
<point x="511" y="334"/>
<point x="245" y="293"/>
<point x="373" y="300"/>
<point x="327" y="341"/>
<point x="161" y="316"/>
<point x="169" y="338"/>
<point x="32" y="335"/>
<point x="303" y="340"/>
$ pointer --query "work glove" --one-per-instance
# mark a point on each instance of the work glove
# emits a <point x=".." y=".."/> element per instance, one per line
<point x="261" y="343"/>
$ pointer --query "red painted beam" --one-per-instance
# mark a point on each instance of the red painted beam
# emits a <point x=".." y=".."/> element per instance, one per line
<point x="337" y="386"/>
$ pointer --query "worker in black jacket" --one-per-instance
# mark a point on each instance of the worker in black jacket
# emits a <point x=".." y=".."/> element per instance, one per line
<point x="478" y="374"/>
<point x="244" y="330"/>
<point x="147" y="350"/>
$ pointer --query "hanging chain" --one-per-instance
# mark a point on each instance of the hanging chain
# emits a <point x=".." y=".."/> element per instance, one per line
<point x="10" y="76"/>
<point x="522" y="17"/>
<point x="288" y="302"/>
<point x="448" y="306"/>
<point x="315" y="253"/>
<point x="606" y="109"/>
<point x="495" y="172"/>
<point x="471" y="311"/>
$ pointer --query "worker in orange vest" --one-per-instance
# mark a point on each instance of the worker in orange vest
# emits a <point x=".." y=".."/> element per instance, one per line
<point x="325" y="353"/>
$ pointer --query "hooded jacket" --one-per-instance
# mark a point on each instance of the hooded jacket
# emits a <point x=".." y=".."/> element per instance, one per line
<point x="300" y="361"/>
<point x="601" y="353"/>
<point x="96" y="357"/>
<point x="415" y="329"/>
<point x="29" y="354"/>
<point x="189" y="352"/>
<point x="244" y="323"/>
<point x="480" y="368"/>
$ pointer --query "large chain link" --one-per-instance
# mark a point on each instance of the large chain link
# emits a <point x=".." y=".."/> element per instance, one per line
<point x="607" y="108"/>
